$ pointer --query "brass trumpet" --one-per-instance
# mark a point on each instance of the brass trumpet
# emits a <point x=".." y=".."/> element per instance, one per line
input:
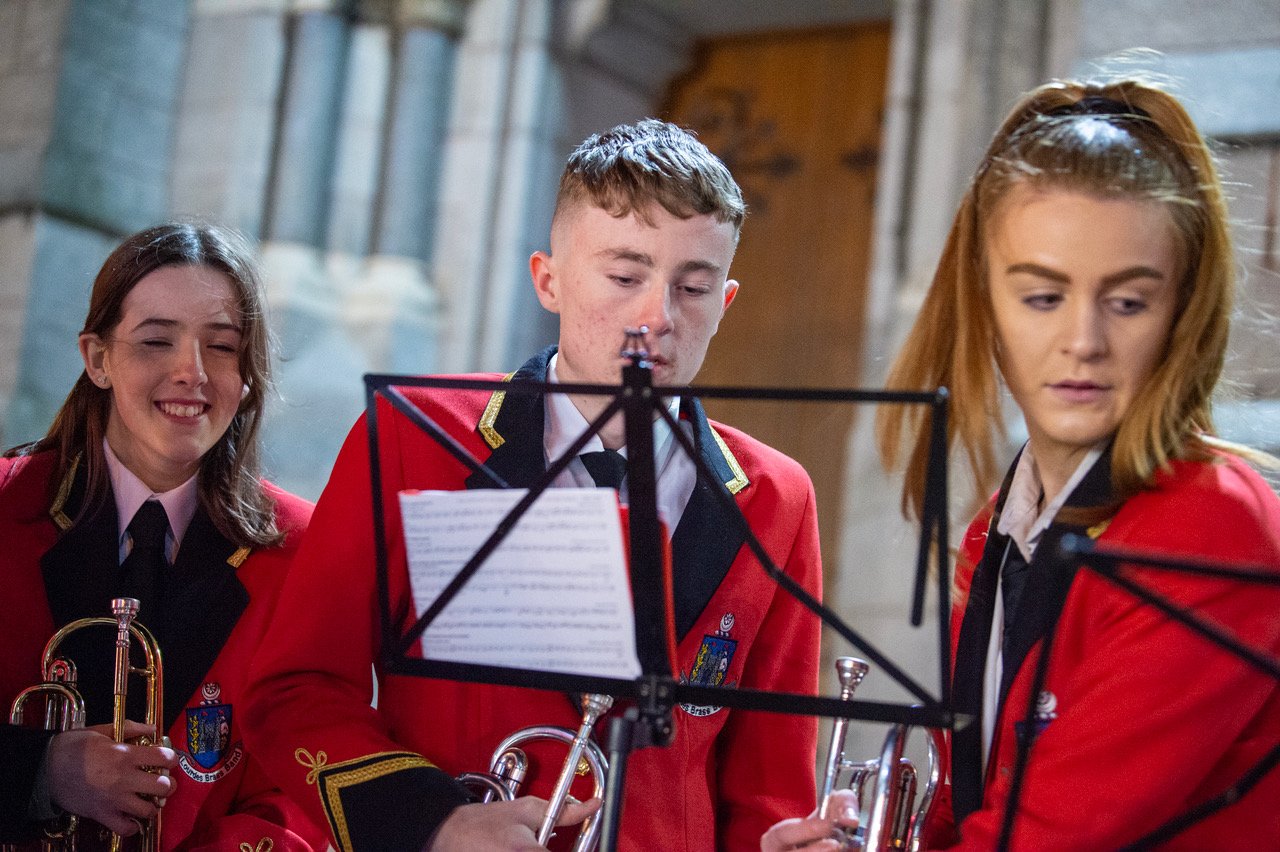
<point x="509" y="765"/>
<point x="64" y="707"/>
<point x="891" y="820"/>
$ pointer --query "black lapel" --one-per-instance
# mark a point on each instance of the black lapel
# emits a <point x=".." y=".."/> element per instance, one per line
<point x="521" y="458"/>
<point x="81" y="569"/>
<point x="706" y="540"/>
<point x="203" y="600"/>
<point x="1050" y="577"/>
<point x="81" y="575"/>
<point x="971" y="662"/>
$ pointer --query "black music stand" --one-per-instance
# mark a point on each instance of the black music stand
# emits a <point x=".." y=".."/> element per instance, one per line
<point x="656" y="691"/>
<point x="1110" y="563"/>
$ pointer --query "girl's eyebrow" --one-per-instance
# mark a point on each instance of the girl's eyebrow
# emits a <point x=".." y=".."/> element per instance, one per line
<point x="1114" y="278"/>
<point x="171" y="323"/>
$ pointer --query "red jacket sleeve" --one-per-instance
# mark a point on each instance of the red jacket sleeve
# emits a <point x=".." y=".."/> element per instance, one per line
<point x="310" y="717"/>
<point x="262" y="817"/>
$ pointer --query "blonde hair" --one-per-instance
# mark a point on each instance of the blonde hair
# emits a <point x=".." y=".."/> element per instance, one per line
<point x="1123" y="139"/>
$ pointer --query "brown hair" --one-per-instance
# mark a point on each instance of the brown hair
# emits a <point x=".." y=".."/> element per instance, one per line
<point x="1123" y="139"/>
<point x="634" y="165"/>
<point x="228" y="481"/>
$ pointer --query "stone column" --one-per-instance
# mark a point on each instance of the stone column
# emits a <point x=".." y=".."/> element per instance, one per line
<point x="314" y="73"/>
<point x="393" y="306"/>
<point x="228" y="111"/>
<point x="30" y="61"/>
<point x="296" y="207"/>
<point x="421" y="96"/>
<point x="533" y="79"/>
<point x="318" y="371"/>
<point x="81" y="164"/>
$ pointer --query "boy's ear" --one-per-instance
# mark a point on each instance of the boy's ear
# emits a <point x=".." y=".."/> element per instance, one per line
<point x="545" y="283"/>
<point x="730" y="293"/>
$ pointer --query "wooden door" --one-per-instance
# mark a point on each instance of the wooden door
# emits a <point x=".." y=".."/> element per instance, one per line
<point x="796" y="116"/>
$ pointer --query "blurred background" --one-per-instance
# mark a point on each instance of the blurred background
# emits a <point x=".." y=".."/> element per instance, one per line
<point x="396" y="162"/>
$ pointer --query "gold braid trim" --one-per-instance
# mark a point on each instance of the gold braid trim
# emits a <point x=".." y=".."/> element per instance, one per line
<point x="57" y="511"/>
<point x="333" y="778"/>
<point x="315" y="764"/>
<point x="739" y="480"/>
<point x="490" y="416"/>
<point x="60" y="518"/>
<point x="266" y="844"/>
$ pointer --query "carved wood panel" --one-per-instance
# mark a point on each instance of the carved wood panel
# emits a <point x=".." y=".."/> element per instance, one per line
<point x="797" y="117"/>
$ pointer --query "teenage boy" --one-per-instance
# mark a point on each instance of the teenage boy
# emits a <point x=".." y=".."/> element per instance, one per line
<point x="645" y="226"/>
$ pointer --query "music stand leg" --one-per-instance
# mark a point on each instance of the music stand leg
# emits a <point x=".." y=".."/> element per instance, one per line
<point x="622" y="738"/>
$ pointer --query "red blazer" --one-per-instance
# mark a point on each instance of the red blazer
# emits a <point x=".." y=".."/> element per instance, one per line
<point x="726" y="778"/>
<point x="1140" y="719"/>
<point x="221" y="602"/>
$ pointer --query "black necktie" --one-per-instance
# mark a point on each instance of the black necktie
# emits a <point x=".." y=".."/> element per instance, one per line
<point x="1013" y="579"/>
<point x="607" y="467"/>
<point x="142" y="572"/>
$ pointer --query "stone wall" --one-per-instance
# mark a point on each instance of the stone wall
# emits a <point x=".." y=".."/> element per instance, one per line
<point x="85" y="159"/>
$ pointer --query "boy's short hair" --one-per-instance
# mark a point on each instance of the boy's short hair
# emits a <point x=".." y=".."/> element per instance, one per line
<point x="632" y="166"/>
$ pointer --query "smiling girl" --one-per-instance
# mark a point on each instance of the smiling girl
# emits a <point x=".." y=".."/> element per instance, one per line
<point x="162" y="425"/>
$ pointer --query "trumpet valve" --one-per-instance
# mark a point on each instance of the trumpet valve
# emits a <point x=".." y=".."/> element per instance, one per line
<point x="510" y="768"/>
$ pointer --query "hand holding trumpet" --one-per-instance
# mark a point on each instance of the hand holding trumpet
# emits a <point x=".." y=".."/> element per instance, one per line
<point x="114" y="784"/>
<point x="503" y="825"/>
<point x="815" y="833"/>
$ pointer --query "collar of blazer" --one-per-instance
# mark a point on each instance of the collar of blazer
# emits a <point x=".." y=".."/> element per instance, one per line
<point x="704" y="543"/>
<point x="1049" y="582"/>
<point x="63" y="497"/>
<point x="204" y="597"/>
<point x="502" y="418"/>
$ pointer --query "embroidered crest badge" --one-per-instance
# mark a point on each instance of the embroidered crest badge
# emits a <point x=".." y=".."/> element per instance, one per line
<point x="711" y="665"/>
<point x="209" y="751"/>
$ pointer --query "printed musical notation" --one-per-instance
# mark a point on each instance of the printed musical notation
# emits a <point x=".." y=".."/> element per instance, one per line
<point x="554" y="596"/>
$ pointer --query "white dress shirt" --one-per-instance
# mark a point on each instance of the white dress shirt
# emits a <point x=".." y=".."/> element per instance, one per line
<point x="677" y="474"/>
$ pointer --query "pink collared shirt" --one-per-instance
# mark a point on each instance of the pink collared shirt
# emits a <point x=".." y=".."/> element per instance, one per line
<point x="131" y="492"/>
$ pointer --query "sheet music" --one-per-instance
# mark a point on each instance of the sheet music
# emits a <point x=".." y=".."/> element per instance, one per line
<point x="554" y="596"/>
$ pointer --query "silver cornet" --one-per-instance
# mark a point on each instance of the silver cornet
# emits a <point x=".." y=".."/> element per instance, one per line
<point x="509" y="765"/>
<point x="891" y="819"/>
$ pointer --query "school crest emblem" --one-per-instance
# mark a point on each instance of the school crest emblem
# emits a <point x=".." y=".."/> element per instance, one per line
<point x="711" y="665"/>
<point x="210" y="753"/>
